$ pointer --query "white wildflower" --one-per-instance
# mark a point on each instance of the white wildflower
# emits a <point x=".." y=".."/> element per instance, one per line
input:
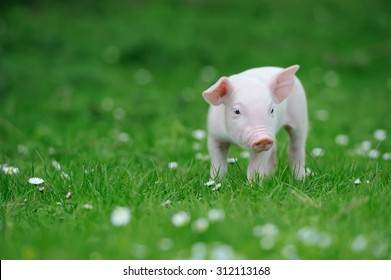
<point x="36" y="181"/>
<point x="357" y="181"/>
<point x="200" y="225"/>
<point x="267" y="242"/>
<point x="312" y="237"/>
<point x="222" y="252"/>
<point x="172" y="165"/>
<point x="51" y="151"/>
<point x="232" y="160"/>
<point x="10" y="170"/>
<point x="374" y="154"/>
<point x="342" y="139"/>
<point x="120" y="216"/>
<point x="196" y="146"/>
<point x="245" y="154"/>
<point x="216" y="187"/>
<point x="199" y="134"/>
<point x="199" y="251"/>
<point x="209" y="183"/>
<point x="324" y="240"/>
<point x="387" y="156"/>
<point x="56" y="165"/>
<point x="322" y="115"/>
<point x="65" y="175"/>
<point x="380" y="250"/>
<point x="202" y="157"/>
<point x="309" y="172"/>
<point x="165" y="244"/>
<point x="317" y="152"/>
<point x="68" y="195"/>
<point x="88" y="206"/>
<point x="123" y="137"/>
<point x="23" y="150"/>
<point x="166" y="202"/>
<point x="180" y="219"/>
<point x="267" y="229"/>
<point x="215" y="215"/>
<point x="359" y="243"/>
<point x="380" y="134"/>
<point x="289" y="252"/>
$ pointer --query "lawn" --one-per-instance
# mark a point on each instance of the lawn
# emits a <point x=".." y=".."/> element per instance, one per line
<point x="102" y="100"/>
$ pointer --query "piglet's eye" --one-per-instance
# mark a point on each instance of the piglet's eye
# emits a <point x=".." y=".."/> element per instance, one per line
<point x="237" y="111"/>
<point x="272" y="111"/>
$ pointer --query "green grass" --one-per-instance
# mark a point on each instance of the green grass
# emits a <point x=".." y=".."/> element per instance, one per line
<point x="71" y="90"/>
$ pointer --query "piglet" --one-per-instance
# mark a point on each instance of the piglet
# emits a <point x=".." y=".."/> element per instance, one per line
<point x="248" y="109"/>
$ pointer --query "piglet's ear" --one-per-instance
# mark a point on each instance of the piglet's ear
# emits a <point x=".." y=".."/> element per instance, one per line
<point x="216" y="93"/>
<point x="282" y="83"/>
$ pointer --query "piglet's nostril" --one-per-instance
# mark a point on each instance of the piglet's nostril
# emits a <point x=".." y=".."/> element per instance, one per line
<point x="262" y="144"/>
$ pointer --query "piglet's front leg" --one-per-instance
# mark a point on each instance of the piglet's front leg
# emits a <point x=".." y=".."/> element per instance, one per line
<point x="218" y="152"/>
<point x="260" y="164"/>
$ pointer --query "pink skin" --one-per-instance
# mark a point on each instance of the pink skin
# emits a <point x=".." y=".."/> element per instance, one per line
<point x="248" y="109"/>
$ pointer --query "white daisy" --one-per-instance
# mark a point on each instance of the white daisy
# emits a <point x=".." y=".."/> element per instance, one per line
<point x="387" y="156"/>
<point x="222" y="252"/>
<point x="165" y="244"/>
<point x="380" y="134"/>
<point x="202" y="157"/>
<point x="120" y="216"/>
<point x="166" y="202"/>
<point x="357" y="181"/>
<point x="199" y="251"/>
<point x="317" y="152"/>
<point x="373" y="153"/>
<point x="180" y="219"/>
<point x="10" y="170"/>
<point x="173" y="165"/>
<point x="322" y="115"/>
<point x="68" y="195"/>
<point x="268" y="229"/>
<point x="123" y="137"/>
<point x="216" y="215"/>
<point x="342" y="139"/>
<point x="216" y="187"/>
<point x="200" y="225"/>
<point x="88" y="206"/>
<point x="65" y="175"/>
<point x="209" y="183"/>
<point x="56" y="165"/>
<point x="35" y="181"/>
<point x="245" y="154"/>
<point x="309" y="172"/>
<point x="359" y="243"/>
<point x="267" y="242"/>
<point x="196" y="146"/>
<point x="199" y="134"/>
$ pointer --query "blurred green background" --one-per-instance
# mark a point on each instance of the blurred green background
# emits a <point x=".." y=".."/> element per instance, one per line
<point x="117" y="84"/>
<point x="73" y="54"/>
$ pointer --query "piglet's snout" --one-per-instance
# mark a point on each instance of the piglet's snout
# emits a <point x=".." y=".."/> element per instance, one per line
<point x="262" y="144"/>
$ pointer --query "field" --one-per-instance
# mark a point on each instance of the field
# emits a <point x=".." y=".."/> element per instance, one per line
<point x="102" y="100"/>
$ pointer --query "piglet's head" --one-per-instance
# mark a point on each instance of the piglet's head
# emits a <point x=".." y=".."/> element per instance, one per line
<point x="250" y="106"/>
